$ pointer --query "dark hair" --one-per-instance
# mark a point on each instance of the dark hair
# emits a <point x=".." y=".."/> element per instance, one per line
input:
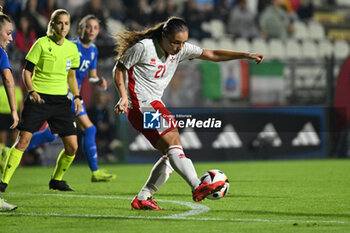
<point x="126" y="39"/>
<point x="3" y="18"/>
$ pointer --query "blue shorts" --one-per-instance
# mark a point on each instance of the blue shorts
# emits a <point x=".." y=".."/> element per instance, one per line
<point x="83" y="111"/>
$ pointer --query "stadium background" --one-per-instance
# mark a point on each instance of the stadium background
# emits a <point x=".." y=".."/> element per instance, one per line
<point x="294" y="105"/>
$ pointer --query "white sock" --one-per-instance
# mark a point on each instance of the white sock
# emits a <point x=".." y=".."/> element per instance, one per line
<point x="183" y="165"/>
<point x="160" y="173"/>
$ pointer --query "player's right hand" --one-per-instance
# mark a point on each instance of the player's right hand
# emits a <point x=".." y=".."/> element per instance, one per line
<point x="78" y="107"/>
<point x="35" y="98"/>
<point x="257" y="57"/>
<point x="103" y="83"/>
<point x="122" y="105"/>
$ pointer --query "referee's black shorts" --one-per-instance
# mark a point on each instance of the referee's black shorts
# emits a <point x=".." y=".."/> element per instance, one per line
<point x="56" y="111"/>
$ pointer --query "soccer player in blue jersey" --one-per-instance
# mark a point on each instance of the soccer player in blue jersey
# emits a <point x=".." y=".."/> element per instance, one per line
<point x="6" y="29"/>
<point x="88" y="29"/>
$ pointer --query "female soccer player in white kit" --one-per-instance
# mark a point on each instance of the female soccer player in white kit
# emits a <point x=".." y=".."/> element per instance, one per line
<point x="150" y="59"/>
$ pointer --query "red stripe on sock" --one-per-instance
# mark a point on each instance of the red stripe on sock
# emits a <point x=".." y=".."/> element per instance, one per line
<point x="175" y="148"/>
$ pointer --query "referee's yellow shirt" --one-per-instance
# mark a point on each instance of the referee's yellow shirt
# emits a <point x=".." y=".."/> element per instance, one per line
<point x="52" y="63"/>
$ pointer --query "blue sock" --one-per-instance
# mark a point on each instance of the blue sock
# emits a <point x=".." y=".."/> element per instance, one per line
<point x="41" y="137"/>
<point x="89" y="147"/>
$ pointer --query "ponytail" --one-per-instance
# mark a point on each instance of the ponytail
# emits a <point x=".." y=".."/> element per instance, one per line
<point x="126" y="39"/>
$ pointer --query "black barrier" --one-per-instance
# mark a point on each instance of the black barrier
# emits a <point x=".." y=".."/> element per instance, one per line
<point x="210" y="134"/>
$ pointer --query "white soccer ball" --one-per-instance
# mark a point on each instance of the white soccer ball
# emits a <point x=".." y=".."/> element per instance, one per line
<point x="213" y="176"/>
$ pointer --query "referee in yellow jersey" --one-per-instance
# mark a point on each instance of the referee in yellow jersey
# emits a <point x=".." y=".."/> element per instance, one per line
<point x="50" y="65"/>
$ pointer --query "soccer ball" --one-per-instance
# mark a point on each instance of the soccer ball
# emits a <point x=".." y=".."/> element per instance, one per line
<point x="213" y="176"/>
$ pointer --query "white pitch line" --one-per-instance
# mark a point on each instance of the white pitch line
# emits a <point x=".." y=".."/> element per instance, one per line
<point x="195" y="210"/>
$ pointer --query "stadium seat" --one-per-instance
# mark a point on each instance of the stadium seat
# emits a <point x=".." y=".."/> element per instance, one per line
<point x="259" y="45"/>
<point x="217" y="28"/>
<point x="309" y="49"/>
<point x="206" y="26"/>
<point x="316" y="30"/>
<point x="341" y="49"/>
<point x="310" y="77"/>
<point x="114" y="25"/>
<point x="300" y="30"/>
<point x="276" y="49"/>
<point x="194" y="41"/>
<point x="242" y="45"/>
<point x="209" y="43"/>
<point x="226" y="43"/>
<point x="343" y="3"/>
<point x="293" y="50"/>
<point x="325" y="48"/>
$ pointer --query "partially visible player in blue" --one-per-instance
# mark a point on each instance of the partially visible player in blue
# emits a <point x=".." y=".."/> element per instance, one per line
<point x="6" y="29"/>
<point x="88" y="30"/>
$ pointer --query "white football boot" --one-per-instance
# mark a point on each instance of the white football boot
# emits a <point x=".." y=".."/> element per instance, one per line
<point x="6" y="206"/>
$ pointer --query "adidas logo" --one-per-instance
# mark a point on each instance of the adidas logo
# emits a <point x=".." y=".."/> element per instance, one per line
<point x="190" y="140"/>
<point x="268" y="135"/>
<point x="140" y="143"/>
<point x="307" y="136"/>
<point x="227" y="139"/>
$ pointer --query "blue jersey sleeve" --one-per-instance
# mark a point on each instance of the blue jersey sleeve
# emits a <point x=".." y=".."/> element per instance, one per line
<point x="4" y="60"/>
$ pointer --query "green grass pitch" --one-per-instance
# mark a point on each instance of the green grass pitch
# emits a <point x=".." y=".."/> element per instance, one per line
<point x="264" y="196"/>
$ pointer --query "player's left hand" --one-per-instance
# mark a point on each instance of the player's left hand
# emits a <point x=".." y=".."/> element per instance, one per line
<point x="257" y="57"/>
<point x="103" y="83"/>
<point x="122" y="105"/>
<point x="77" y="106"/>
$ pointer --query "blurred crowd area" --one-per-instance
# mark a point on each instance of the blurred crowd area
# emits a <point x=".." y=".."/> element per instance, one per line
<point x="286" y="30"/>
<point x="307" y="40"/>
<point x="247" y="19"/>
<point x="136" y="14"/>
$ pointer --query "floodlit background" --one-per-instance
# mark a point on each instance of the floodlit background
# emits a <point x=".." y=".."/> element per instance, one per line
<point x="293" y="105"/>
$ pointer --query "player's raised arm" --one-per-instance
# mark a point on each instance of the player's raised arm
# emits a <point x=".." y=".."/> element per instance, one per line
<point x="225" y="55"/>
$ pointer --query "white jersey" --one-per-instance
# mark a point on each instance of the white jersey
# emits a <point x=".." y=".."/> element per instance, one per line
<point x="150" y="71"/>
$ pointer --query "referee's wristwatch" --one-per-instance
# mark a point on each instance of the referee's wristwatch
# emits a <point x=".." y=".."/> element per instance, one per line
<point x="78" y="97"/>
